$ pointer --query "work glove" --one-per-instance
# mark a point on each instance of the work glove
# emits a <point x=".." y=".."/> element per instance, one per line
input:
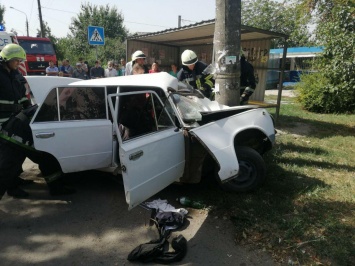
<point x="206" y="90"/>
<point x="245" y="96"/>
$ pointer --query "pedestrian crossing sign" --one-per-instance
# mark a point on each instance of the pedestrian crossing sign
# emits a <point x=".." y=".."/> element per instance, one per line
<point x="96" y="35"/>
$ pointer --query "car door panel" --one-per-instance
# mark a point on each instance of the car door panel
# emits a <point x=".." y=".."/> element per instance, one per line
<point x="149" y="162"/>
<point x="77" y="145"/>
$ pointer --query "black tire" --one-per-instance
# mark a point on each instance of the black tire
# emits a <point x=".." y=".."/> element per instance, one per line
<point x="252" y="171"/>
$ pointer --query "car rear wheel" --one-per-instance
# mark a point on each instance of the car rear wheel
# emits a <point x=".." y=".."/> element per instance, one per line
<point x="252" y="171"/>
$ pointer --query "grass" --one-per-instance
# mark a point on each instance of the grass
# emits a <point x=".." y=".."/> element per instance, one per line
<point x="305" y="212"/>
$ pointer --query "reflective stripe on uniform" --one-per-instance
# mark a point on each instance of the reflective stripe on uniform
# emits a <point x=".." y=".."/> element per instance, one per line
<point x="190" y="79"/>
<point x="7" y="102"/>
<point x="209" y="83"/>
<point x="23" y="99"/>
<point x="15" y="140"/>
<point x="249" y="89"/>
<point x="198" y="84"/>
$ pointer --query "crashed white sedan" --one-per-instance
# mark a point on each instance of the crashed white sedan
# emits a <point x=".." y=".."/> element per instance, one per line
<point x="151" y="129"/>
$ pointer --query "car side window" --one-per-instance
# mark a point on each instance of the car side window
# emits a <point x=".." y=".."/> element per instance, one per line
<point x="82" y="103"/>
<point x="48" y="111"/>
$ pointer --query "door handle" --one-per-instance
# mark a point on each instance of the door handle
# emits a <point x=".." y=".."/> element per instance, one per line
<point x="45" y="135"/>
<point x="135" y="155"/>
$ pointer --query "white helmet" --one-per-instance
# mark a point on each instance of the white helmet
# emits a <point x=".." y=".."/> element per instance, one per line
<point x="188" y="57"/>
<point x="138" y="54"/>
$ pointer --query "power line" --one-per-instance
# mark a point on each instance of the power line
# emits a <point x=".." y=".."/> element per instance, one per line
<point x="124" y="20"/>
<point x="58" y="10"/>
<point x="145" y="24"/>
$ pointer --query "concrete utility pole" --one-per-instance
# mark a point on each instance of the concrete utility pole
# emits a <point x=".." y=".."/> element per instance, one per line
<point x="227" y="50"/>
<point x="40" y="18"/>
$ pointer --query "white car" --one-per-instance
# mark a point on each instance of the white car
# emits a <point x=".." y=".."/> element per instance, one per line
<point x="152" y="129"/>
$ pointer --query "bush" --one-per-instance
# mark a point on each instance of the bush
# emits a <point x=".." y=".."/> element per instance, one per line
<point x="332" y="90"/>
<point x="317" y="94"/>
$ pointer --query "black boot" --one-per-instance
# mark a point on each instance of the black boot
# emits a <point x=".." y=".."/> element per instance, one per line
<point x="17" y="193"/>
<point x="2" y="191"/>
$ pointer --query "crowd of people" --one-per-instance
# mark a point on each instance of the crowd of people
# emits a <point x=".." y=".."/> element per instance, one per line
<point x="82" y="70"/>
<point x="192" y="72"/>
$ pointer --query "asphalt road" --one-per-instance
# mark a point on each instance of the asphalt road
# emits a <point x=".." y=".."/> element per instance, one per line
<point x="94" y="227"/>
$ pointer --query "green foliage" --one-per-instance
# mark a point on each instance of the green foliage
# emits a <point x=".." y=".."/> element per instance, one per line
<point x="47" y="31"/>
<point x="102" y="16"/>
<point x="278" y="17"/>
<point x="48" y="34"/>
<point x="312" y="94"/>
<point x="75" y="45"/>
<point x="2" y="11"/>
<point x="113" y="49"/>
<point x="333" y="88"/>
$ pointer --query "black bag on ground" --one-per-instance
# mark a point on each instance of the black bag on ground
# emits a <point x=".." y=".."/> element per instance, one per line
<point x="154" y="251"/>
<point x="179" y="245"/>
<point x="147" y="252"/>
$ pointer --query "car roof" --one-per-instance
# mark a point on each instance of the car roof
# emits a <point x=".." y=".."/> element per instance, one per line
<point x="162" y="80"/>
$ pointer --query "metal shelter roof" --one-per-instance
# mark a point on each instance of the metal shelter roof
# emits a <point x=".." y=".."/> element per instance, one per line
<point x="201" y="33"/>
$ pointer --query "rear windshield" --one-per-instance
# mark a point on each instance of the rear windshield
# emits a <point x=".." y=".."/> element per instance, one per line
<point x="37" y="47"/>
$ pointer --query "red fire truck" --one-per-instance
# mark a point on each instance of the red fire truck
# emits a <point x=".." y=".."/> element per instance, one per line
<point x="39" y="52"/>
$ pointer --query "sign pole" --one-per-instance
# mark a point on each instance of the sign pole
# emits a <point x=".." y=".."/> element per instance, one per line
<point x="96" y="36"/>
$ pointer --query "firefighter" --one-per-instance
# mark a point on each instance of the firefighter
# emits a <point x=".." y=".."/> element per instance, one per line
<point x="12" y="100"/>
<point x="192" y="73"/>
<point x="139" y="58"/>
<point x="15" y="133"/>
<point x="247" y="80"/>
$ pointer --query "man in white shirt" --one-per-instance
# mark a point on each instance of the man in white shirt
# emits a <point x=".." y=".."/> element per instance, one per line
<point x="110" y="71"/>
<point x="137" y="57"/>
<point x="52" y="70"/>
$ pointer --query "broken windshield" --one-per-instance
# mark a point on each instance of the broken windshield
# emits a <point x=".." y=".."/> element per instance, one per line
<point x="189" y="109"/>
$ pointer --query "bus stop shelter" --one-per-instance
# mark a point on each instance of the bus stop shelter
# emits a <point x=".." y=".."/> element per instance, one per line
<point x="165" y="48"/>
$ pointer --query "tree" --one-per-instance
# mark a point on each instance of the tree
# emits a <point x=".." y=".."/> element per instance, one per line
<point x="279" y="17"/>
<point x="102" y="16"/>
<point x="47" y="31"/>
<point x="335" y="88"/>
<point x="48" y="34"/>
<point x="2" y="12"/>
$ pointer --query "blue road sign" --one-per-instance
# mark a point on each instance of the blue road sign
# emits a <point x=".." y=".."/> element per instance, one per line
<point x="96" y="35"/>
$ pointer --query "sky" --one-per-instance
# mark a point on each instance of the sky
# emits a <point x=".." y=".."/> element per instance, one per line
<point x="139" y="15"/>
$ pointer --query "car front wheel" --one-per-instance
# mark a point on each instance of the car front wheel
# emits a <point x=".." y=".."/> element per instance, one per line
<point x="252" y="171"/>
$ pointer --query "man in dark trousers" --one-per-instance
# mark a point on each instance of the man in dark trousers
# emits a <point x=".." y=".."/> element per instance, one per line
<point x="247" y="80"/>
<point x="192" y="73"/>
<point x="15" y="133"/>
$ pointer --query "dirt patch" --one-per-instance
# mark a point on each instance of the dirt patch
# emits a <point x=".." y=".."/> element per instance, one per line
<point x="298" y="130"/>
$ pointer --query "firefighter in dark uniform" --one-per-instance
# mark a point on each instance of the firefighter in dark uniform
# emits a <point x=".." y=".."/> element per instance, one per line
<point x="16" y="141"/>
<point x="192" y="73"/>
<point x="247" y="80"/>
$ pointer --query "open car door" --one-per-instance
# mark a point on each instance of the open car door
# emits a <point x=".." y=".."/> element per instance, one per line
<point x="151" y="156"/>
